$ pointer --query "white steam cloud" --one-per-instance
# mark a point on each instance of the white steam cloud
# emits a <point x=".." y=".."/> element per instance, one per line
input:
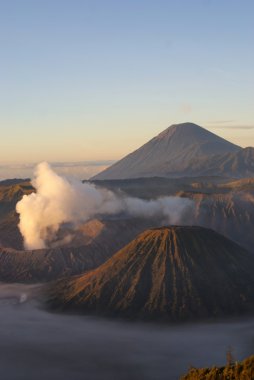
<point x="58" y="200"/>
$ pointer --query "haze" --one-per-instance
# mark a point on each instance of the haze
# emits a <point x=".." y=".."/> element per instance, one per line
<point x="61" y="347"/>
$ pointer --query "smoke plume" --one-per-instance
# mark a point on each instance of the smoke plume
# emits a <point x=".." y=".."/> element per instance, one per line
<point x="58" y="200"/>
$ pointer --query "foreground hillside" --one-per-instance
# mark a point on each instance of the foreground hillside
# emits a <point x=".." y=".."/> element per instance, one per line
<point x="170" y="273"/>
<point x="238" y="371"/>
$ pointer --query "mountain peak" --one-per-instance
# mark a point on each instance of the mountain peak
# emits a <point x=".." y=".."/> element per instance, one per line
<point x="172" y="153"/>
<point x="186" y="128"/>
<point x="176" y="127"/>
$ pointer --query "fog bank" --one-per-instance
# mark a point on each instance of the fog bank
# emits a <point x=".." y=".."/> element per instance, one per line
<point x="38" y="345"/>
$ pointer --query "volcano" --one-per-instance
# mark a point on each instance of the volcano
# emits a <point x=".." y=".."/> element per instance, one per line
<point x="183" y="150"/>
<point x="169" y="273"/>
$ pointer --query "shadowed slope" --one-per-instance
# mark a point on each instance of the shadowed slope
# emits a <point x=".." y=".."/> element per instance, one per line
<point x="238" y="164"/>
<point x="166" y="273"/>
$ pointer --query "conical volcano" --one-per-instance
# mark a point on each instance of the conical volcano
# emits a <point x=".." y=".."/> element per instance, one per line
<point x="181" y="149"/>
<point x="171" y="273"/>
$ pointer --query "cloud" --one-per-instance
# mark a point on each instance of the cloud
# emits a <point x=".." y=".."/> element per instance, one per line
<point x="221" y="122"/>
<point x="58" y="200"/>
<point x="80" y="170"/>
<point x="245" y="127"/>
<point x="228" y="124"/>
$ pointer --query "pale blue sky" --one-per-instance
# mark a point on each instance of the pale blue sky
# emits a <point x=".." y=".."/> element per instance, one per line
<point x="83" y="80"/>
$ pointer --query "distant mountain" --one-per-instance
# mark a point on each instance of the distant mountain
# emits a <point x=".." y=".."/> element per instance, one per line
<point x="169" y="273"/>
<point x="184" y="150"/>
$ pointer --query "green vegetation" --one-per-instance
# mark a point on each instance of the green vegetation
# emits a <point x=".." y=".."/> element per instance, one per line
<point x="237" y="371"/>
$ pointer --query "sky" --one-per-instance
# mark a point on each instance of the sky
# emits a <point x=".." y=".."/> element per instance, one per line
<point x="95" y="79"/>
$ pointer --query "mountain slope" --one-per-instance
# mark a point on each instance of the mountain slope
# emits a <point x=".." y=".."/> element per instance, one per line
<point x="174" y="152"/>
<point x="170" y="273"/>
<point x="237" y="164"/>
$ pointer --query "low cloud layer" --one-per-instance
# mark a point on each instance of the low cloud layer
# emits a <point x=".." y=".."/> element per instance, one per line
<point x="80" y="170"/>
<point x="63" y="347"/>
<point x="58" y="201"/>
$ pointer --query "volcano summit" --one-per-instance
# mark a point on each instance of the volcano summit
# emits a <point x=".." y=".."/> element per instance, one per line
<point x="184" y="150"/>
